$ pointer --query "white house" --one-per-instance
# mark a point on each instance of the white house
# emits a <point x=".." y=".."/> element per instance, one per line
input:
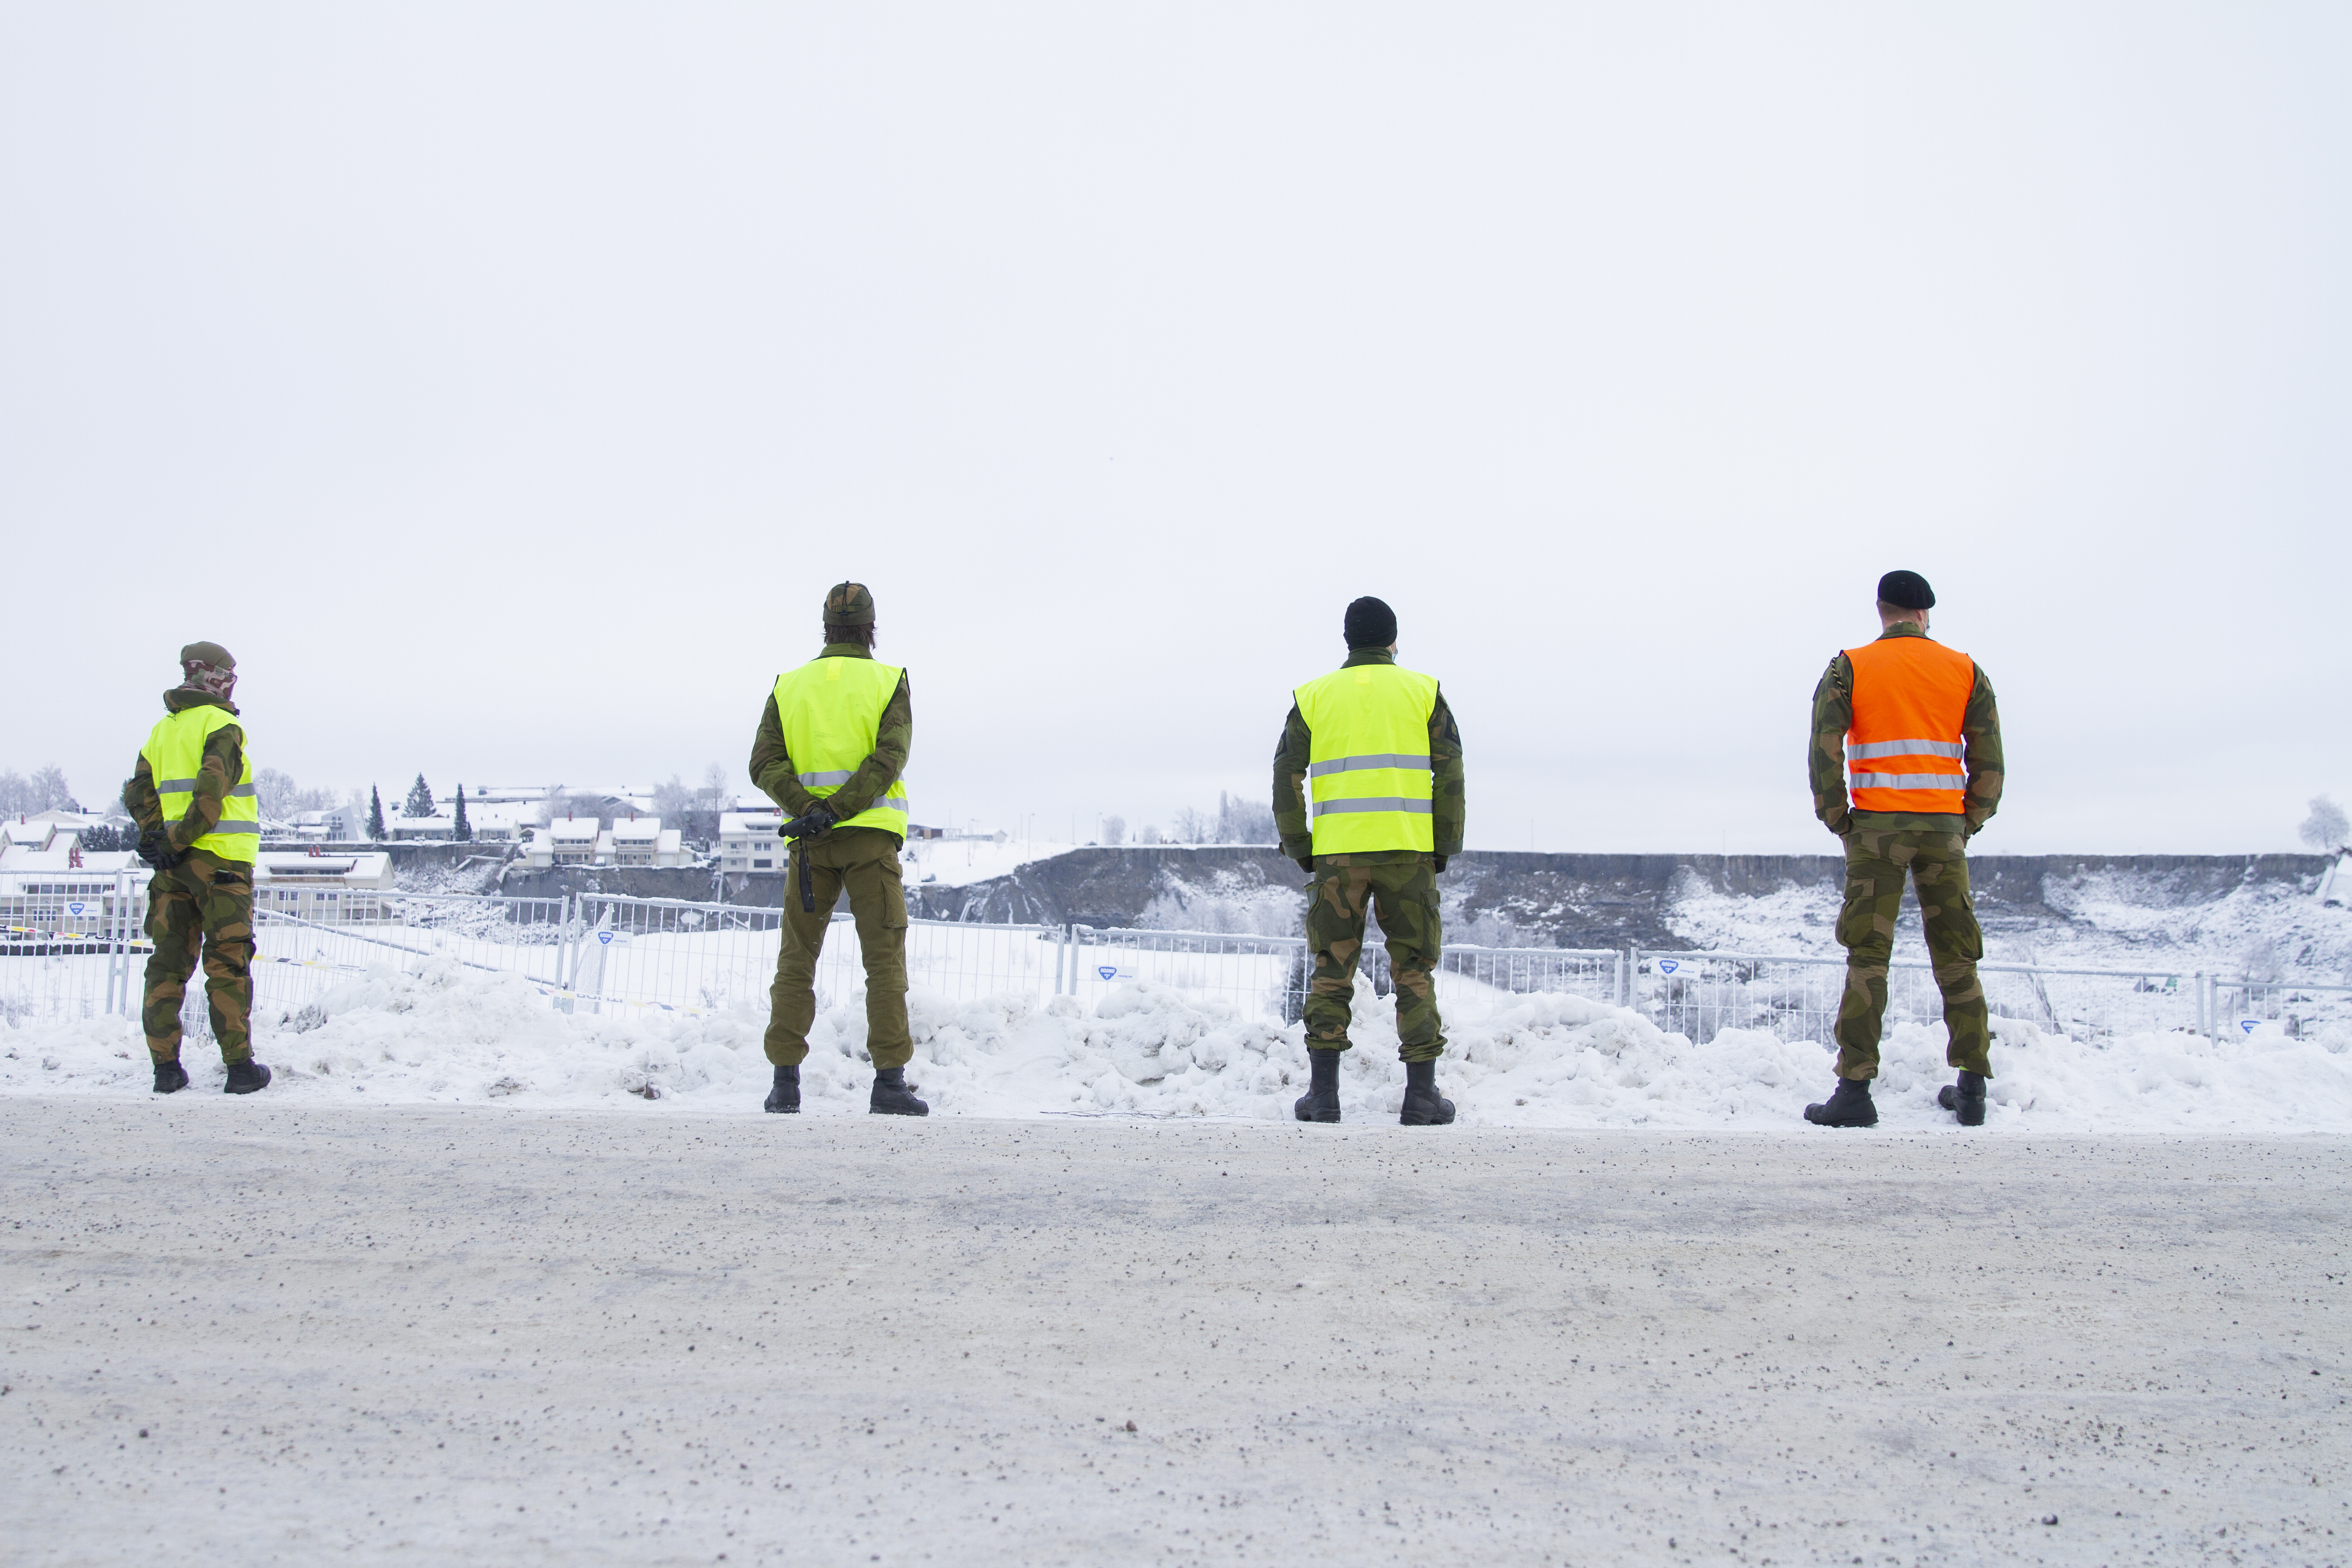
<point x="439" y="827"/>
<point x="747" y="841"/>
<point x="327" y="889"/>
<point x="643" y="841"/>
<point x="573" y="840"/>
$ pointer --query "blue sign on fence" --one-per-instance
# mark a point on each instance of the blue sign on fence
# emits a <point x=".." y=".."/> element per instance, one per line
<point x="1668" y="965"/>
<point x="2250" y="1024"/>
<point x="604" y="938"/>
<point x="73" y="909"/>
<point x="1107" y="970"/>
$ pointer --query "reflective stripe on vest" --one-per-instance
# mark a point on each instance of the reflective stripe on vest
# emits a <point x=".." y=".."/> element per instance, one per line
<point x="831" y="711"/>
<point x="1369" y="783"/>
<point x="175" y="754"/>
<point x="1910" y="698"/>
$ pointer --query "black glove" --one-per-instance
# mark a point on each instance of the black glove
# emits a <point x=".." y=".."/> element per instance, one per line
<point x="1440" y="860"/>
<point x="813" y="823"/>
<point x="155" y="848"/>
<point x="1306" y="863"/>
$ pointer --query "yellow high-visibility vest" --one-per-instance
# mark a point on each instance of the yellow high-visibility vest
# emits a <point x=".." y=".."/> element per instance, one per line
<point x="831" y="710"/>
<point x="1369" y="784"/>
<point x="175" y="754"/>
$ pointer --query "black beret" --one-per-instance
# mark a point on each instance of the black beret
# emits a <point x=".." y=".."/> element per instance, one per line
<point x="1905" y="591"/>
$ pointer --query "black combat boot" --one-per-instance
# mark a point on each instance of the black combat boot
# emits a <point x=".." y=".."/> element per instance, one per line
<point x="170" y="1078"/>
<point x="1423" y="1106"/>
<point x="786" y="1096"/>
<point x="245" y="1076"/>
<point x="1850" y="1106"/>
<point x="1321" y="1100"/>
<point x="1965" y="1099"/>
<point x="893" y="1095"/>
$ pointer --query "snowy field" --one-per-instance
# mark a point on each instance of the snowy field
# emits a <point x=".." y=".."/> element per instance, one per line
<point x="287" y="1329"/>
<point x="451" y="1035"/>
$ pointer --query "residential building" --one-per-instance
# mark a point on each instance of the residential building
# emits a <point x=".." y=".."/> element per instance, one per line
<point x="58" y="892"/>
<point x="643" y="841"/>
<point x="325" y="890"/>
<point x="747" y="841"/>
<point x="573" y="840"/>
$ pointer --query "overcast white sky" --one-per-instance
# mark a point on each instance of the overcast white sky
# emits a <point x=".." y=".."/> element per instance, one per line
<point x="505" y="384"/>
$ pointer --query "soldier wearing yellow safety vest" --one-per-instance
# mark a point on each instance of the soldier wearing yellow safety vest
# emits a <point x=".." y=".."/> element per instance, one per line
<point x="831" y="750"/>
<point x="200" y="828"/>
<point x="1367" y="800"/>
<point x="1906" y="766"/>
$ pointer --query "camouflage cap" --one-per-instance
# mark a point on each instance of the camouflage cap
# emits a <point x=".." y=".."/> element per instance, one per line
<point x="849" y="605"/>
<point x="210" y="653"/>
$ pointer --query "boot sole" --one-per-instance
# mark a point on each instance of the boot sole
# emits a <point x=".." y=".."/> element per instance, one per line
<point x="782" y="1109"/>
<point x="880" y="1111"/>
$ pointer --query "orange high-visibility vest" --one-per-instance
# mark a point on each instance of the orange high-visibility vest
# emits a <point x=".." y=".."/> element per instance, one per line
<point x="1910" y="698"/>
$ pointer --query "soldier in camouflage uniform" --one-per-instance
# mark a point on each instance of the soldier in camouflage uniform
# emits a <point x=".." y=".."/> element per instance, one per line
<point x="201" y="898"/>
<point x="1920" y="828"/>
<point x="1398" y="882"/>
<point x="859" y="857"/>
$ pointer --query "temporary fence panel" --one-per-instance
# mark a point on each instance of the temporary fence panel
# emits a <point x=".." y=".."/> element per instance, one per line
<point x="1260" y="976"/>
<point x="1476" y="981"/>
<point x="72" y="946"/>
<point x="1700" y="993"/>
<point x="659" y="953"/>
<point x="2243" y="1006"/>
<point x="655" y="952"/>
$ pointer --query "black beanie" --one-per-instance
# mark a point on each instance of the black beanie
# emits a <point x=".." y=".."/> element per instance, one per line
<point x="1370" y="624"/>
<point x="1905" y="591"/>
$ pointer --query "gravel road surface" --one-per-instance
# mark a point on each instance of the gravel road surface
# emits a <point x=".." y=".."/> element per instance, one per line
<point x="235" y="1332"/>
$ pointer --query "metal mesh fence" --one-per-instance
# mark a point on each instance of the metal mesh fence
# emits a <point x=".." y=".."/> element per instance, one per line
<point x="1259" y="975"/>
<point x="72" y="948"/>
<point x="1797" y="997"/>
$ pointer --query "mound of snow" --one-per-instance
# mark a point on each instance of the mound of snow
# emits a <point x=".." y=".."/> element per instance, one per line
<point x="449" y="1034"/>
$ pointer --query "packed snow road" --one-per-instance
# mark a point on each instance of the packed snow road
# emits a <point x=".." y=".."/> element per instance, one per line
<point x="239" y="1331"/>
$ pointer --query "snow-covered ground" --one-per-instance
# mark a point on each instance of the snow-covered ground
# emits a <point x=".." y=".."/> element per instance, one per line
<point x="282" y="1331"/>
<point x="452" y="1035"/>
<point x="958" y="862"/>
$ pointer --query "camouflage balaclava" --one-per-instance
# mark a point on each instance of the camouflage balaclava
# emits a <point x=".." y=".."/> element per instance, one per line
<point x="849" y="613"/>
<point x="208" y="668"/>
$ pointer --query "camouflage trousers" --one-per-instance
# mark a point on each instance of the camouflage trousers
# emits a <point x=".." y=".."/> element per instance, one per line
<point x="1404" y="894"/>
<point x="864" y="862"/>
<point x="202" y="905"/>
<point x="1876" y="861"/>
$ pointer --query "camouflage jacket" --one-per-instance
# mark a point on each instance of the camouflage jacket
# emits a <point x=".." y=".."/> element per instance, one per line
<point x="771" y="764"/>
<point x="224" y="762"/>
<point x="1297" y="746"/>
<point x="1834" y="716"/>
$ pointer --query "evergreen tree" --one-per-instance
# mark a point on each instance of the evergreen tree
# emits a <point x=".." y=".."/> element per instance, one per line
<point x="464" y="830"/>
<point x="375" y="816"/>
<point x="420" y="799"/>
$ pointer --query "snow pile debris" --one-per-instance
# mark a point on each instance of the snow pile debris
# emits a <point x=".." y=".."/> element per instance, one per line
<point x="449" y="1034"/>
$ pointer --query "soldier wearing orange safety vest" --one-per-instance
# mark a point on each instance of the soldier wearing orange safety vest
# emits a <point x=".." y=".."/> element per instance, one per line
<point x="1906" y="766"/>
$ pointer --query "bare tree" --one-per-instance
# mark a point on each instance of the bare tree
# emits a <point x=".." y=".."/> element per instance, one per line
<point x="49" y="791"/>
<point x="1114" y="830"/>
<point x="2326" y="829"/>
<point x="1192" y="827"/>
<point x="1241" y="821"/>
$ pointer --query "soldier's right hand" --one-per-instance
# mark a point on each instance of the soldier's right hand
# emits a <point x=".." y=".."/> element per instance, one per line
<point x="1307" y="864"/>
